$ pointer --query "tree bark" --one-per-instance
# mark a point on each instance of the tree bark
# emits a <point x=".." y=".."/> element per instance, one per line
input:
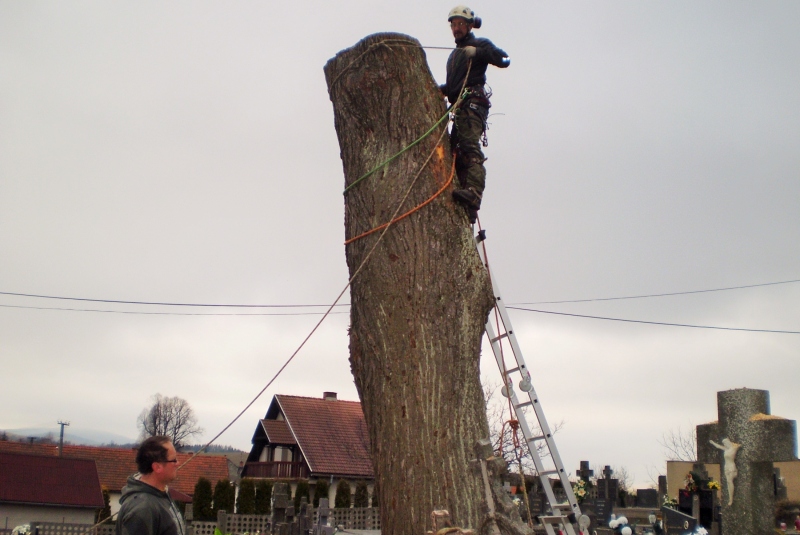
<point x="419" y="305"/>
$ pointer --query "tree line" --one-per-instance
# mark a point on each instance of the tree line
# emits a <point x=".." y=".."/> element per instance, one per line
<point x="255" y="496"/>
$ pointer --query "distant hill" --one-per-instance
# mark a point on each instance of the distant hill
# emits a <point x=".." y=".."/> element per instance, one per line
<point x="82" y="436"/>
<point x="214" y="448"/>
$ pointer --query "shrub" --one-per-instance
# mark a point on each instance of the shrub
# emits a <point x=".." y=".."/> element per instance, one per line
<point x="224" y="494"/>
<point x="361" y="498"/>
<point x="246" y="502"/>
<point x="105" y="512"/>
<point x="263" y="504"/>
<point x="321" y="490"/>
<point x="376" y="499"/>
<point x="201" y="501"/>
<point x="300" y="492"/>
<point x="342" y="499"/>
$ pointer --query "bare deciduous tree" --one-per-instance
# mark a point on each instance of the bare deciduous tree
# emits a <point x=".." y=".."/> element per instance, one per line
<point x="170" y="416"/>
<point x="625" y="478"/>
<point x="501" y="433"/>
<point x="680" y="444"/>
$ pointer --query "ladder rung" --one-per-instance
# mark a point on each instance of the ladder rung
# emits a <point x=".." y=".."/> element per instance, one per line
<point x="496" y="338"/>
<point x="512" y="370"/>
<point x="553" y="519"/>
<point x="548" y="472"/>
<point x="534" y="439"/>
<point x="521" y="405"/>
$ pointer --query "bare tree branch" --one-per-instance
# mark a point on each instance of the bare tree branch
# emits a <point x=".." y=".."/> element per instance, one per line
<point x="680" y="444"/>
<point x="170" y="416"/>
<point x="501" y="432"/>
<point x="624" y="477"/>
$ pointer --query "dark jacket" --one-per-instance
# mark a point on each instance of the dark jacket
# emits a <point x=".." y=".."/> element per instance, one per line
<point x="145" y="510"/>
<point x="486" y="54"/>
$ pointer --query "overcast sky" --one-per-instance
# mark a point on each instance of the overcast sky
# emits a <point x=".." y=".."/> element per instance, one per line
<point x="185" y="152"/>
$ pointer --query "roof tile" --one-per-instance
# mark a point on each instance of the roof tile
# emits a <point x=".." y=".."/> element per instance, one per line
<point x="43" y="479"/>
<point x="114" y="465"/>
<point x="278" y="432"/>
<point x="332" y="434"/>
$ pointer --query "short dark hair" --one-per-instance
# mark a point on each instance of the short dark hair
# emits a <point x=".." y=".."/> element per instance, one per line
<point x="151" y="451"/>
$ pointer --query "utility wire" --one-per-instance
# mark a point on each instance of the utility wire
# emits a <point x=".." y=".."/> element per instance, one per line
<point x="659" y="295"/>
<point x="159" y="303"/>
<point x="134" y="312"/>
<point x="653" y="322"/>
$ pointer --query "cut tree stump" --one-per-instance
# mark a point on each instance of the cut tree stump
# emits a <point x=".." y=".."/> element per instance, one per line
<point x="419" y="305"/>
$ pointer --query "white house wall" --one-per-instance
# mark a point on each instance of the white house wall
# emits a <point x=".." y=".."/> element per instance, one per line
<point x="12" y="516"/>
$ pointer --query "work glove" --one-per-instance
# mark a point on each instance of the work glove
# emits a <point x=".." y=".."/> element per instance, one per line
<point x="505" y="62"/>
<point x="470" y="51"/>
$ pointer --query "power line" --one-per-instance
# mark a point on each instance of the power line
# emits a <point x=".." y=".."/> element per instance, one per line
<point x="660" y="295"/>
<point x="654" y="322"/>
<point x="135" y="312"/>
<point x="157" y="303"/>
<point x="233" y="305"/>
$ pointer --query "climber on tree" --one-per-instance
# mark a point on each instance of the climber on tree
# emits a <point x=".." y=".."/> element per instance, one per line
<point x="470" y="118"/>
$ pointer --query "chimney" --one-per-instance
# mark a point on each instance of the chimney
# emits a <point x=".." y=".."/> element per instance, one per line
<point x="329" y="396"/>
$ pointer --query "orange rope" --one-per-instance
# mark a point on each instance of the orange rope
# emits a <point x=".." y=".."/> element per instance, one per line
<point x="398" y="218"/>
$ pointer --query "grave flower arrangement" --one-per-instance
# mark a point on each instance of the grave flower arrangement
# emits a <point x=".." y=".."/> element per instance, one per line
<point x="695" y="482"/>
<point x="669" y="502"/>
<point x="620" y="525"/>
<point x="581" y="490"/>
<point x="689" y="484"/>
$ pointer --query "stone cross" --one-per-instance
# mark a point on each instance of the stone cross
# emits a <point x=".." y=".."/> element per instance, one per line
<point x="745" y="441"/>
<point x="607" y="471"/>
<point x="584" y="473"/>
<point x="280" y="502"/>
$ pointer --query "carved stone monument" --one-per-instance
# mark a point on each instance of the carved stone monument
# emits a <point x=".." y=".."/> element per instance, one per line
<point x="745" y="441"/>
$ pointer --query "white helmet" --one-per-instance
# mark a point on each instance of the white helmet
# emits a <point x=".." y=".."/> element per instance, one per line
<point x="461" y="11"/>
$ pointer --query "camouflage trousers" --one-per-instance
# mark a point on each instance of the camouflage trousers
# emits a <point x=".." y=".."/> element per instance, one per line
<point x="465" y="140"/>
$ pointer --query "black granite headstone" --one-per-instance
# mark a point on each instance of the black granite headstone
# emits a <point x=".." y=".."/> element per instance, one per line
<point x="675" y="522"/>
<point x="647" y="498"/>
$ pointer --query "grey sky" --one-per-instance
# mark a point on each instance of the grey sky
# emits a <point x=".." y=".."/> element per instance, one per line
<point x="185" y="152"/>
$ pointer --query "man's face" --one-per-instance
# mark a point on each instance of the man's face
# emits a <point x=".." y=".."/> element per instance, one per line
<point x="167" y="469"/>
<point x="460" y="27"/>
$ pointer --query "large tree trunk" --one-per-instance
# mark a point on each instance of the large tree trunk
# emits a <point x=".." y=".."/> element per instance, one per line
<point x="419" y="305"/>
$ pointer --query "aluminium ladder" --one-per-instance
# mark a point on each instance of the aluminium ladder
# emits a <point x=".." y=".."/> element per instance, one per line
<point x="541" y="445"/>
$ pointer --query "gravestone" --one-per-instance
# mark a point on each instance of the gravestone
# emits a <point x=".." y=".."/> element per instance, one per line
<point x="280" y="503"/>
<point x="607" y="491"/>
<point x="781" y="492"/>
<point x="745" y="441"/>
<point x="322" y="526"/>
<point x="676" y="522"/>
<point x="662" y="489"/>
<point x="584" y="472"/>
<point x="647" y="498"/>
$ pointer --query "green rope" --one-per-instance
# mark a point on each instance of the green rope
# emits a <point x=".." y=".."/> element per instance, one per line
<point x="392" y="158"/>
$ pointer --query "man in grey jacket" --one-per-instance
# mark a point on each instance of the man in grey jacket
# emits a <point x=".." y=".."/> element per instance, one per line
<point x="146" y="508"/>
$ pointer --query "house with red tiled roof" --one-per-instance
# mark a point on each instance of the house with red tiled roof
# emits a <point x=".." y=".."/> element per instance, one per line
<point x="44" y="488"/>
<point x="311" y="438"/>
<point x="114" y="465"/>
